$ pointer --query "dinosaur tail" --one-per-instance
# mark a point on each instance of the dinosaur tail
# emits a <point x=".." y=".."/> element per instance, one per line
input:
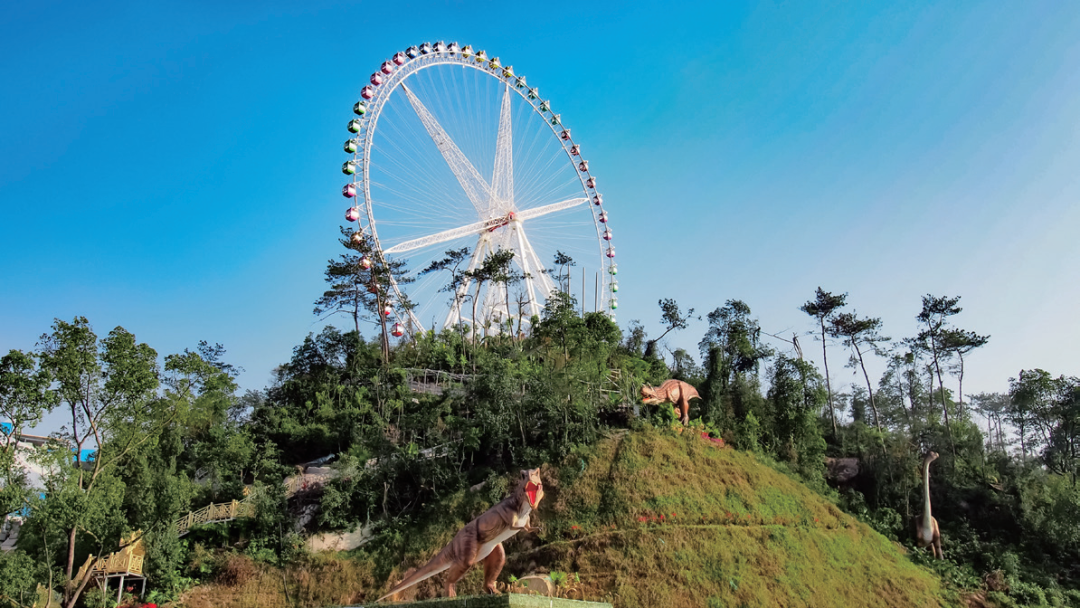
<point x="438" y="564"/>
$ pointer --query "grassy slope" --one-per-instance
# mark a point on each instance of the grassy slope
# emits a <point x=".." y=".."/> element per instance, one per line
<point x="742" y="534"/>
<point x="734" y="533"/>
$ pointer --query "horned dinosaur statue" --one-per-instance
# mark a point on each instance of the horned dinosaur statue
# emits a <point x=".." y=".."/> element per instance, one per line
<point x="675" y="392"/>
<point x="926" y="530"/>
<point x="481" y="539"/>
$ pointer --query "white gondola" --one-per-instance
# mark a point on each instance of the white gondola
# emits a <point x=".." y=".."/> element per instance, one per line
<point x="367" y="92"/>
<point x="360" y="108"/>
<point x="365" y="261"/>
<point x="377" y="78"/>
<point x="354" y="125"/>
<point x="583" y="166"/>
<point x="603" y="217"/>
<point x="352" y="214"/>
<point x="349" y="168"/>
<point x="351" y="146"/>
<point x="357" y="238"/>
<point x="387" y="68"/>
<point x="398" y="330"/>
<point x="400" y="58"/>
<point x="349" y="190"/>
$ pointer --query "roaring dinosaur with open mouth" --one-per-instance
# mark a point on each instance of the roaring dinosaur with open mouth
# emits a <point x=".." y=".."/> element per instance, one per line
<point x="481" y="539"/>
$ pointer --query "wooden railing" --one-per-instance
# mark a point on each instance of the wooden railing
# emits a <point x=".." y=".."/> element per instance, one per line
<point x="128" y="561"/>
<point x="214" y="513"/>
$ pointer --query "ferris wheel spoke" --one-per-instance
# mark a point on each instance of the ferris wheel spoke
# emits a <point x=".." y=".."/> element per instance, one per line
<point x="502" y="181"/>
<point x="478" y="190"/>
<point x="448" y="235"/>
<point x="536" y="212"/>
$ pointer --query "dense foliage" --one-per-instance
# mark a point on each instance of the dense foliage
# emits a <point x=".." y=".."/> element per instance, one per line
<point x="414" y="425"/>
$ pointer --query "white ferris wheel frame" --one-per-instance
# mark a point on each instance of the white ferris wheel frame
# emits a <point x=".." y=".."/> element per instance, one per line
<point x="512" y="224"/>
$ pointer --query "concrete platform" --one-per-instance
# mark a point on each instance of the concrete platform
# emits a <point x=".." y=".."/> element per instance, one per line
<point x="506" y="600"/>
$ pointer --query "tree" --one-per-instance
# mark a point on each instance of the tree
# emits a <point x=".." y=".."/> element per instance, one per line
<point x="24" y="397"/>
<point x="1030" y="410"/>
<point x="672" y="318"/>
<point x="732" y="349"/>
<point x="499" y="267"/>
<point x="452" y="263"/>
<point x="359" y="287"/>
<point x="494" y="267"/>
<point x="796" y="394"/>
<point x="1062" y="453"/>
<point x="822" y="308"/>
<point x="563" y="263"/>
<point x="349" y="281"/>
<point x="934" y="316"/>
<point x="961" y="342"/>
<point x="994" y="407"/>
<point x="859" y="334"/>
<point x="108" y="388"/>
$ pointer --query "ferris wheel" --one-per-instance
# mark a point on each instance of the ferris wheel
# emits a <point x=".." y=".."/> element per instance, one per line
<point x="454" y="152"/>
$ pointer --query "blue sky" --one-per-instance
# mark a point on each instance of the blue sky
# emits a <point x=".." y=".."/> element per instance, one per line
<point x="174" y="167"/>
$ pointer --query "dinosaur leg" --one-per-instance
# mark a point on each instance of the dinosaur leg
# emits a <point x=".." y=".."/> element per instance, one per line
<point x="493" y="565"/>
<point x="453" y="575"/>
<point x="938" y="553"/>
<point x="684" y="405"/>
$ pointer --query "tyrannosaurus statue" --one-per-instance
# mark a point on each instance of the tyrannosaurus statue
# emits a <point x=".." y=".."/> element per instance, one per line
<point x="926" y="530"/>
<point x="481" y="539"/>
<point x="676" y="392"/>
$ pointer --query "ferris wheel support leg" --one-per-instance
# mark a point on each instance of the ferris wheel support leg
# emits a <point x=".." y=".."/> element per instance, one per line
<point x="454" y="316"/>
<point x="530" y="258"/>
<point x="496" y="294"/>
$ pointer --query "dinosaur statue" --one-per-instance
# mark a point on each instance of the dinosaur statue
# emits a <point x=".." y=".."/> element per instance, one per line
<point x="926" y="530"/>
<point x="675" y="392"/>
<point x="481" y="539"/>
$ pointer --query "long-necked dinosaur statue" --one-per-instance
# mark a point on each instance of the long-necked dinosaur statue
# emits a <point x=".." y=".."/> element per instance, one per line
<point x="481" y="539"/>
<point x="926" y="531"/>
<point x="676" y="392"/>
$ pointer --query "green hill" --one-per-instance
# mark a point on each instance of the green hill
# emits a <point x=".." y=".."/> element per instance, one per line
<point x="664" y="520"/>
<point x="651" y="519"/>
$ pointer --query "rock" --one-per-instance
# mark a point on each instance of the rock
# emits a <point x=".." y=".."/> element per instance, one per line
<point x="339" y="542"/>
<point x="540" y="585"/>
<point x="842" y="470"/>
<point x="317" y="471"/>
